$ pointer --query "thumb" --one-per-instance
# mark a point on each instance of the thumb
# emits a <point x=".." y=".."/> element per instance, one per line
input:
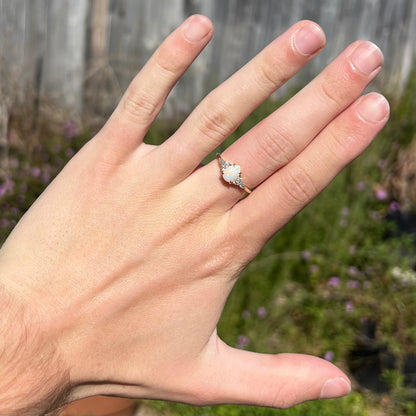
<point x="281" y="381"/>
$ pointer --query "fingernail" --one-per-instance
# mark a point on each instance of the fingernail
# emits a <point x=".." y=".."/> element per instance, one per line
<point x="367" y="57"/>
<point x="373" y="108"/>
<point x="197" y="28"/>
<point x="335" y="387"/>
<point x="309" y="39"/>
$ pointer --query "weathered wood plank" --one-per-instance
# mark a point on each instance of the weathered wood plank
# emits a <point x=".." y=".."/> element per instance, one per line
<point x="64" y="57"/>
<point x="59" y="50"/>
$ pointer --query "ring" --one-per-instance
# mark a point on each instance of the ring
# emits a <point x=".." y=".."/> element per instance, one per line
<point x="232" y="173"/>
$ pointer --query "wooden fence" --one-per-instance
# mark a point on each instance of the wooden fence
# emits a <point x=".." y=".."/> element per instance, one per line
<point x="81" y="54"/>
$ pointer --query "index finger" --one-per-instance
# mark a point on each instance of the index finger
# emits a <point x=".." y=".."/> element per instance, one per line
<point x="146" y="94"/>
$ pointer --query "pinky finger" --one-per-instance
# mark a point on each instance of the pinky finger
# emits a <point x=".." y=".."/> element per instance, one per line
<point x="271" y="205"/>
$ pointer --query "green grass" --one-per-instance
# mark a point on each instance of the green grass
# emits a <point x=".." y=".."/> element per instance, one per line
<point x="353" y="405"/>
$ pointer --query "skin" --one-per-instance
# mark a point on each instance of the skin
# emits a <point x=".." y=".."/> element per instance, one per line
<point x="121" y="269"/>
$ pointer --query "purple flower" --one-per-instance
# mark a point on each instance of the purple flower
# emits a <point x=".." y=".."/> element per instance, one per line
<point x="242" y="342"/>
<point x="334" y="281"/>
<point x="35" y="172"/>
<point x="329" y="356"/>
<point x="313" y="268"/>
<point x="381" y="164"/>
<point x="349" y="306"/>
<point x="4" y="223"/>
<point x="46" y="177"/>
<point x="353" y="284"/>
<point x="69" y="152"/>
<point x="352" y="271"/>
<point x="306" y="255"/>
<point x="70" y="130"/>
<point x="261" y="312"/>
<point x="361" y="186"/>
<point x="381" y="194"/>
<point x="3" y="189"/>
<point x="352" y="249"/>
<point x="343" y="223"/>
<point x="6" y="186"/>
<point x="394" y="206"/>
<point x="246" y="314"/>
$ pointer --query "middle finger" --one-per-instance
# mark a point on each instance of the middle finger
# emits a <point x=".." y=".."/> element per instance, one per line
<point x="217" y="116"/>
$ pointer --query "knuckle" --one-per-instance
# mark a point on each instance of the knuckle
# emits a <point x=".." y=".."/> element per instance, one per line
<point x="190" y="212"/>
<point x="269" y="76"/>
<point x="203" y="395"/>
<point x="341" y="85"/>
<point x="336" y="146"/>
<point x="224" y="255"/>
<point x="285" y="398"/>
<point x="140" y="107"/>
<point x="275" y="67"/>
<point x="275" y="149"/>
<point x="167" y="65"/>
<point x="299" y="187"/>
<point x="221" y="261"/>
<point x="341" y="144"/>
<point x="215" y="123"/>
<point x="330" y="92"/>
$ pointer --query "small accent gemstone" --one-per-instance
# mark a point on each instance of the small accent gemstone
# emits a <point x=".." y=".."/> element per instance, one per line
<point x="231" y="173"/>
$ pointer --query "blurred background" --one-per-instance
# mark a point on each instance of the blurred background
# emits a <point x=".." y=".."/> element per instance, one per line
<point x="66" y="51"/>
<point x="339" y="281"/>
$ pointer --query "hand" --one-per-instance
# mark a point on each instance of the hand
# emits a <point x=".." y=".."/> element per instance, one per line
<point x="123" y="266"/>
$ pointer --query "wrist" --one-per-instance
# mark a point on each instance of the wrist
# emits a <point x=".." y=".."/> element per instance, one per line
<point x="33" y="379"/>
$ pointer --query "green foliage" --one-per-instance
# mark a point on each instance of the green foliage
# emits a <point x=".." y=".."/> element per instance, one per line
<point x="32" y="170"/>
<point x="352" y="405"/>
<point x="402" y="397"/>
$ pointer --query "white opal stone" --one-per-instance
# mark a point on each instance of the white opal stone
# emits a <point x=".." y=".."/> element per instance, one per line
<point x="231" y="173"/>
